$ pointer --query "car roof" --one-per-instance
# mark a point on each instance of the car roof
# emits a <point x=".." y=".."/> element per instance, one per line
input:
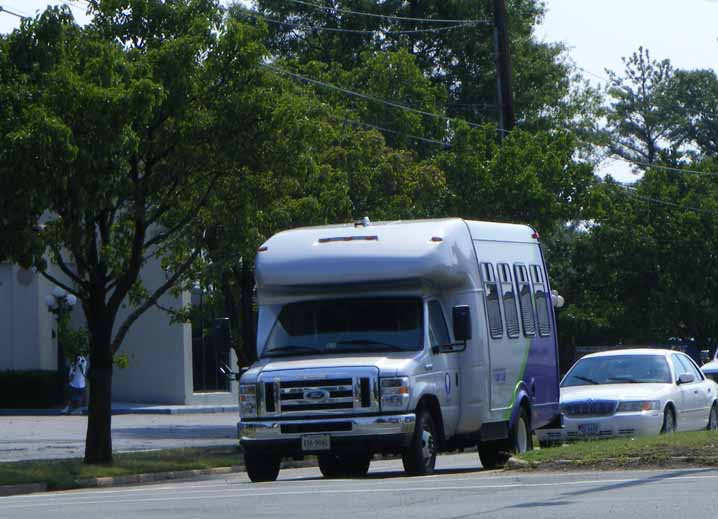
<point x="634" y="351"/>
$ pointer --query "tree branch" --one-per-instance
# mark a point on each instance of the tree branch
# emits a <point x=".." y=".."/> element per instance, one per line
<point x="149" y="302"/>
<point x="60" y="284"/>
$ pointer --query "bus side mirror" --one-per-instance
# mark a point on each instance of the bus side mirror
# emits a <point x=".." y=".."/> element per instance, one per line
<point x="461" y="316"/>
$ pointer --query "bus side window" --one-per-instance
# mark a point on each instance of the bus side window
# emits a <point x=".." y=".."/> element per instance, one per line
<point x="541" y="295"/>
<point x="509" y="298"/>
<point x="438" y="331"/>
<point x="525" y="300"/>
<point x="493" y="307"/>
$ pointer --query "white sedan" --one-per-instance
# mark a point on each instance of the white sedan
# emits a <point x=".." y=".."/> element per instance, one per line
<point x="627" y="393"/>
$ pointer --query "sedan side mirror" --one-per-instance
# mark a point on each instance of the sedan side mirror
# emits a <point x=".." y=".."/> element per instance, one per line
<point x="685" y="378"/>
<point x="461" y="316"/>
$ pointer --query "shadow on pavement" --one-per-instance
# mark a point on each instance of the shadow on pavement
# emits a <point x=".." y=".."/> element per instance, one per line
<point x="176" y="432"/>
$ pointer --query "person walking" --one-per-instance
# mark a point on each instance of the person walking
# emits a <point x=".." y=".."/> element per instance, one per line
<point x="77" y="380"/>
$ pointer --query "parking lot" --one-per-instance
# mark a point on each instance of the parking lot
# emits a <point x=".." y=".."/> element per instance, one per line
<point x="53" y="437"/>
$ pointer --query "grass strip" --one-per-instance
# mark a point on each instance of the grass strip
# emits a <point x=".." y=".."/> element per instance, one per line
<point x="693" y="448"/>
<point x="65" y="474"/>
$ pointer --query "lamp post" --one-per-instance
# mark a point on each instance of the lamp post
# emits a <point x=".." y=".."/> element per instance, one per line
<point x="60" y="303"/>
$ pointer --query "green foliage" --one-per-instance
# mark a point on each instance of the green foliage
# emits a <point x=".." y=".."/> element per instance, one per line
<point x="530" y="178"/>
<point x="31" y="389"/>
<point x="67" y="474"/>
<point x="696" y="101"/>
<point x="642" y="112"/>
<point x="696" y="449"/>
<point x="461" y="60"/>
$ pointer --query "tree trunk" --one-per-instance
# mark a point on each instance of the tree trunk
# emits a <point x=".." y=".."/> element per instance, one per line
<point x="98" y="442"/>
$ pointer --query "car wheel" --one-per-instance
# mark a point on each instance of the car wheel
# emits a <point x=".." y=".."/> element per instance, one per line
<point x="669" y="422"/>
<point x="521" y="437"/>
<point x="493" y="454"/>
<point x="261" y="466"/>
<point x="497" y="453"/>
<point x="713" y="419"/>
<point x="419" y="458"/>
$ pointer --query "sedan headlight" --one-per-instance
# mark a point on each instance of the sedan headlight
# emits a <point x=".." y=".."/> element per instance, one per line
<point x="638" y="406"/>
<point x="395" y="394"/>
<point x="247" y="400"/>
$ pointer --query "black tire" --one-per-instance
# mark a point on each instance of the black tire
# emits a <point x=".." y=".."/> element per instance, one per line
<point x="419" y="458"/>
<point x="493" y="454"/>
<point x="353" y="465"/>
<point x="669" y="421"/>
<point x="496" y="454"/>
<point x="713" y="419"/>
<point x="261" y="466"/>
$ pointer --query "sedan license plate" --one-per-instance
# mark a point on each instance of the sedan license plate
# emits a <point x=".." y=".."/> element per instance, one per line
<point x="316" y="442"/>
<point x="588" y="429"/>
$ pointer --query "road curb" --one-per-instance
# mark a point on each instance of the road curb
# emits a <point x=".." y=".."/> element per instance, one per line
<point x="139" y="479"/>
<point x="14" y="490"/>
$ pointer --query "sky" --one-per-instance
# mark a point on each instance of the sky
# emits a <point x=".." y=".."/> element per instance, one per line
<point x="598" y="33"/>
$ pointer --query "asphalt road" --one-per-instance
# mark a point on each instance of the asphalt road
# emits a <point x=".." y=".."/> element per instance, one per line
<point x="49" y="437"/>
<point x="458" y="490"/>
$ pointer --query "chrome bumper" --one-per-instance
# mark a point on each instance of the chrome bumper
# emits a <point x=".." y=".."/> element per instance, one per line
<point x="268" y="430"/>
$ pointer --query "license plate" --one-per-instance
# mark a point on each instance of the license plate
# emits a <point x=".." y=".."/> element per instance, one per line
<point x="588" y="429"/>
<point x="316" y="442"/>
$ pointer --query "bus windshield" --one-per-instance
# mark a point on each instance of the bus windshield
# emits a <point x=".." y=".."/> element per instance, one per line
<point x="347" y="326"/>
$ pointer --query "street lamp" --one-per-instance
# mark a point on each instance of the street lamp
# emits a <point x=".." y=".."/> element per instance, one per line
<point x="60" y="303"/>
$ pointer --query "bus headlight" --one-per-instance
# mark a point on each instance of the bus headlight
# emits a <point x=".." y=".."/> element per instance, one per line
<point x="395" y="394"/>
<point x="248" y="400"/>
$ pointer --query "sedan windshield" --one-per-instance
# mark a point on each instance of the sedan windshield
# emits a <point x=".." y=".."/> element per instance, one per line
<point x="619" y="369"/>
<point x="347" y="326"/>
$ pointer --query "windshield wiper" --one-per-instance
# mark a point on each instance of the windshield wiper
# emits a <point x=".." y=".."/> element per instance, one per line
<point x="292" y="350"/>
<point x="586" y="379"/>
<point x="627" y="380"/>
<point x="365" y="342"/>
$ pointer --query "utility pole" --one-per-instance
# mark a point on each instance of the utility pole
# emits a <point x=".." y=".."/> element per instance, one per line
<point x="504" y="85"/>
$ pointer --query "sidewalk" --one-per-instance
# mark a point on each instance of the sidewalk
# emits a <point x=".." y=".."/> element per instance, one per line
<point x="63" y="436"/>
<point x="119" y="408"/>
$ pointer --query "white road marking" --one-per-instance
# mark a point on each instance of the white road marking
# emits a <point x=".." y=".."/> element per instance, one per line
<point x="272" y="491"/>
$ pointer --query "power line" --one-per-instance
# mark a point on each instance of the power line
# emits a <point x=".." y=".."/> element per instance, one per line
<point x="665" y="168"/>
<point x="366" y="96"/>
<point x="386" y="16"/>
<point x="631" y="193"/>
<point x="256" y="15"/>
<point x="12" y="13"/>
<point x="395" y="132"/>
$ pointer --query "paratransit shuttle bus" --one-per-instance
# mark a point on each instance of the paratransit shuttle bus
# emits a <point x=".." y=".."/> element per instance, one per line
<point x="411" y="337"/>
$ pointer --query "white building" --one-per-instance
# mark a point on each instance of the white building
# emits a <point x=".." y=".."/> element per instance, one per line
<point x="161" y="360"/>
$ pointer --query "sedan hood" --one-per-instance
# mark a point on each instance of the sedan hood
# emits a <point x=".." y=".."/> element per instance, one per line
<point x="614" y="392"/>
<point x="711" y="367"/>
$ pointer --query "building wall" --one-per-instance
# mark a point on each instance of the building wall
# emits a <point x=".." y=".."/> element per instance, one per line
<point x="160" y="353"/>
<point x="26" y="339"/>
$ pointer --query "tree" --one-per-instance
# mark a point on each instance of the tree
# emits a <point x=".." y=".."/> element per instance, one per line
<point x="459" y="56"/>
<point x="529" y="178"/>
<point x="305" y="164"/>
<point x="696" y="100"/>
<point x="112" y="132"/>
<point x="643" y="267"/>
<point x="642" y="113"/>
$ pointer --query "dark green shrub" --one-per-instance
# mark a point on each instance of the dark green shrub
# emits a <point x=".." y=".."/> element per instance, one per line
<point x="30" y="389"/>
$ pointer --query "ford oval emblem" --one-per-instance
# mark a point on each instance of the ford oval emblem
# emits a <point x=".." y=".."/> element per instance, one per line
<point x="316" y="394"/>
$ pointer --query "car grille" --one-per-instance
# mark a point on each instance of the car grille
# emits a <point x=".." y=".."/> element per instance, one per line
<point x="590" y="408"/>
<point x="289" y="395"/>
<point x="316" y="395"/>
